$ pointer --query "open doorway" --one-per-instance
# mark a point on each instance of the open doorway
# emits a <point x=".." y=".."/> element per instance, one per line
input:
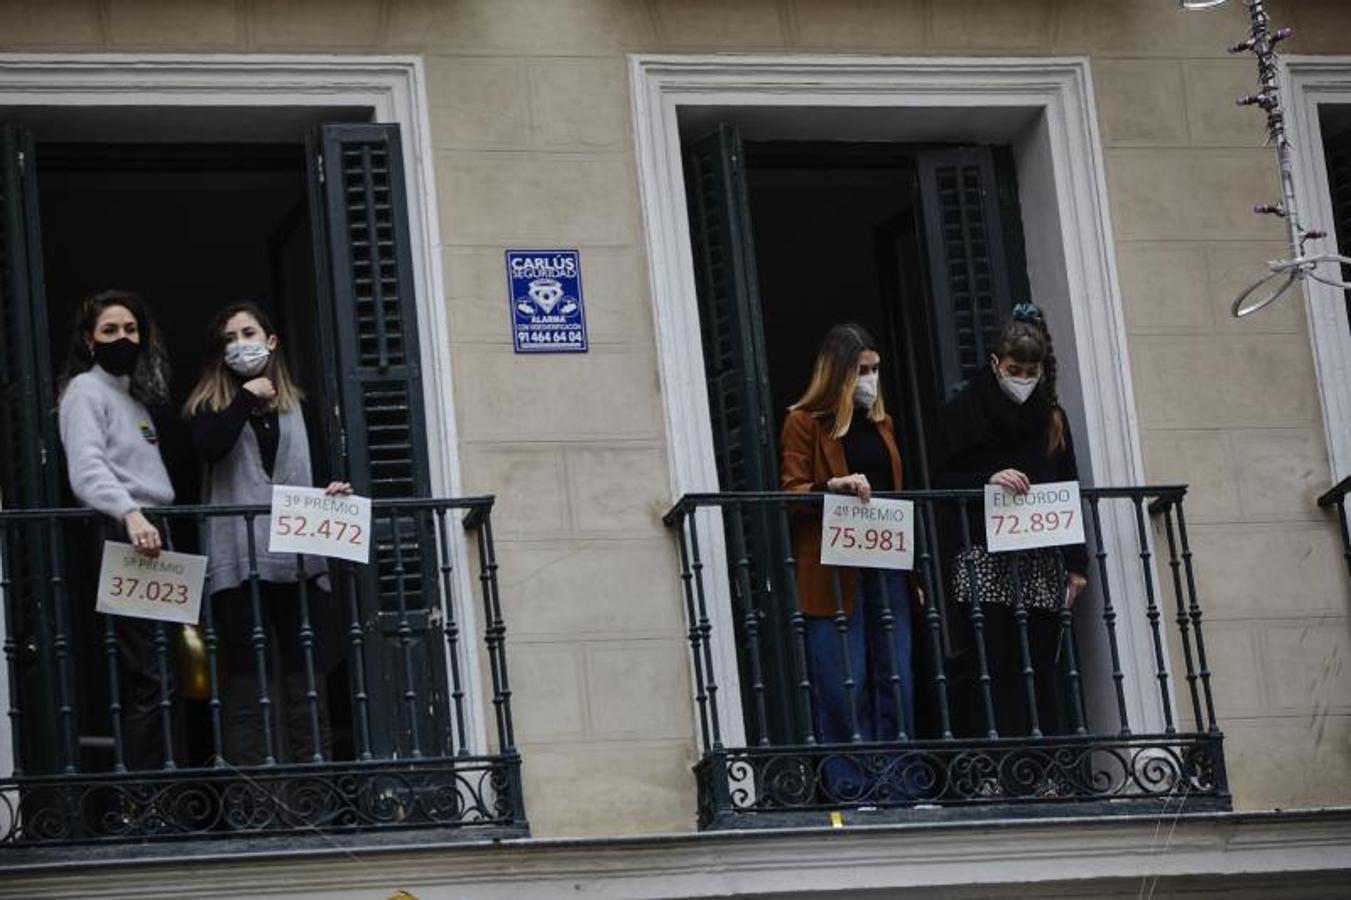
<point x="303" y="212"/>
<point x="192" y="227"/>
<point x="921" y="244"/>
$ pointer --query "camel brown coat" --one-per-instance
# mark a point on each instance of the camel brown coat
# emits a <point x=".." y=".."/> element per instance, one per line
<point x="811" y="457"/>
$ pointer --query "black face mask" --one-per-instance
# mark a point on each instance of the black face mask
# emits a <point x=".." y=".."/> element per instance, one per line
<point x="117" y="357"/>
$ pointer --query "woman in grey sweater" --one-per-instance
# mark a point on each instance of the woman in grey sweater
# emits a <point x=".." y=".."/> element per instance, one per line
<point x="115" y="369"/>
<point x="247" y="427"/>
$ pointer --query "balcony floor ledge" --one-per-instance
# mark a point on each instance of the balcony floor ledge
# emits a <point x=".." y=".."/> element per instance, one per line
<point x="1272" y="850"/>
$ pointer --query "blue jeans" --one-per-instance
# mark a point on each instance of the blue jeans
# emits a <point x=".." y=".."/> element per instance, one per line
<point x="863" y="654"/>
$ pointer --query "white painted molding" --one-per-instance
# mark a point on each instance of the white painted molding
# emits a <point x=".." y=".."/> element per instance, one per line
<point x="395" y="89"/>
<point x="1310" y="82"/>
<point x="1071" y="261"/>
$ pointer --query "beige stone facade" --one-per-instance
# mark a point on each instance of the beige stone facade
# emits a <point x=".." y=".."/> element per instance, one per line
<point x="530" y="111"/>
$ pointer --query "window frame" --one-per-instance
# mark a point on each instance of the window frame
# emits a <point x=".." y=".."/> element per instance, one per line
<point x="394" y="88"/>
<point x="1047" y="107"/>
<point x="1308" y="83"/>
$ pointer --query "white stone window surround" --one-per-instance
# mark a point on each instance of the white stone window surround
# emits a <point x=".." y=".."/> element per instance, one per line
<point x="1071" y="266"/>
<point x="395" y="89"/>
<point x="1310" y="82"/>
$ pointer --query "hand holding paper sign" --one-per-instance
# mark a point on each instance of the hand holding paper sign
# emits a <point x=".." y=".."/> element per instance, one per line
<point x="321" y="522"/>
<point x="1046" y="515"/>
<point x="876" y="535"/>
<point x="167" y="588"/>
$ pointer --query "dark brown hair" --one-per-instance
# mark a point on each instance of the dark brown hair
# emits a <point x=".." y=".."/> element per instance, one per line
<point x="1025" y="338"/>
<point x="150" y="378"/>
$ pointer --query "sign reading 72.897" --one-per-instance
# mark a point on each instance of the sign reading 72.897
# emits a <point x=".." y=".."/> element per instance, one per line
<point x="1048" y="515"/>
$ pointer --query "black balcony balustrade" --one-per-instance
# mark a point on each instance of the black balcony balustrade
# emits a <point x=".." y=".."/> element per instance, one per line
<point x="392" y="749"/>
<point x="958" y="763"/>
<point x="1336" y="500"/>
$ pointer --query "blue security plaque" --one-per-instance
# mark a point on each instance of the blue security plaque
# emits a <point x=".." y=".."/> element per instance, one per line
<point x="545" y="289"/>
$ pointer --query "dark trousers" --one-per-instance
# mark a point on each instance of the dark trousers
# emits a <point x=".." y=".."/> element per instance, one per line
<point x="267" y="707"/>
<point x="146" y="688"/>
<point x="866" y="654"/>
<point x="1008" y="687"/>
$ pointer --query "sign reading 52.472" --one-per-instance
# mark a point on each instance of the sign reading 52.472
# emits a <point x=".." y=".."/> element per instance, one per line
<point x="308" y="520"/>
<point x="1048" y="515"/>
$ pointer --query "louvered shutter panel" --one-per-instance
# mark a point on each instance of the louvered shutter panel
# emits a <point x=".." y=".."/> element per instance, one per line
<point x="737" y="374"/>
<point x="968" y="270"/>
<point x="377" y="423"/>
<point x="28" y="449"/>
<point x="1338" y="155"/>
<point x="735" y="364"/>
<point x="28" y="475"/>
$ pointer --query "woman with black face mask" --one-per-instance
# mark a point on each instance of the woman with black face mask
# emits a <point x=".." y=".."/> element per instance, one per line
<point x="115" y="369"/>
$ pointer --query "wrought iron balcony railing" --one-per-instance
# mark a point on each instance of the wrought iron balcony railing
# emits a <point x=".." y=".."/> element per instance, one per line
<point x="1337" y="499"/>
<point x="356" y="712"/>
<point x="1119" y="746"/>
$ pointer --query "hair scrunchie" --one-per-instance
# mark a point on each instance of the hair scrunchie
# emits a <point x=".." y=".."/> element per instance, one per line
<point x="1027" y="312"/>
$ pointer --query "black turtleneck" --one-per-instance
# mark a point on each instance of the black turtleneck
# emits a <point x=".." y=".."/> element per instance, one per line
<point x="866" y="452"/>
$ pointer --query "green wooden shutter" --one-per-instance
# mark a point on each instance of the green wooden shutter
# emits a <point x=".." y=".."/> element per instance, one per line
<point x="374" y="404"/>
<point x="28" y="434"/>
<point x="29" y="455"/>
<point x="968" y="268"/>
<point x="730" y="325"/>
<point x="737" y="374"/>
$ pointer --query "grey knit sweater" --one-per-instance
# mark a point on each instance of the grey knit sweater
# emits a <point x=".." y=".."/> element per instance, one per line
<point x="112" y="449"/>
<point x="239" y="478"/>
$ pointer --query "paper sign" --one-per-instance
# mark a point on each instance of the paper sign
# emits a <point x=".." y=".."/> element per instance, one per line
<point x="167" y="588"/>
<point x="1048" y="515"/>
<point x="306" y="520"/>
<point x="879" y="534"/>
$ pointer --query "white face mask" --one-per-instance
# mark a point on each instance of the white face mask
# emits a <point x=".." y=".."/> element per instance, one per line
<point x="1017" y="389"/>
<point x="247" y="360"/>
<point x="865" y="390"/>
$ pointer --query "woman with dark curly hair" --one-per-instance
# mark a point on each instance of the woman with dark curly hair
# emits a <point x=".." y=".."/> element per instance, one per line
<point x="116" y="368"/>
<point x="1006" y="427"/>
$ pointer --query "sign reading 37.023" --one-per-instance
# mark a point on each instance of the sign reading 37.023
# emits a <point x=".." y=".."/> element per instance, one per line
<point x="1048" y="515"/>
<point x="167" y="588"/>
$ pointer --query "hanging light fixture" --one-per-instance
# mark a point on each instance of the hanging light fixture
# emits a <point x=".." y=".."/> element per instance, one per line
<point x="1281" y="274"/>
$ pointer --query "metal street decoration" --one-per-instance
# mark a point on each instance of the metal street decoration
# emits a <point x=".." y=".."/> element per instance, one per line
<point x="1281" y="274"/>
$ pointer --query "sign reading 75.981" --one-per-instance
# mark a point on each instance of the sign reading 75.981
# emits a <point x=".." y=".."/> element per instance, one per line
<point x="879" y="534"/>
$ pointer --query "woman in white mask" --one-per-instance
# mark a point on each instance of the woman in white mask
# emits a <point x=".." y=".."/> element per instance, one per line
<point x="247" y="426"/>
<point x="838" y="438"/>
<point x="1006" y="427"/>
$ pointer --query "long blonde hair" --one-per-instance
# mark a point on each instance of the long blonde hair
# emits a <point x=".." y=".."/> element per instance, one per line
<point x="831" y="390"/>
<point x="218" y="385"/>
